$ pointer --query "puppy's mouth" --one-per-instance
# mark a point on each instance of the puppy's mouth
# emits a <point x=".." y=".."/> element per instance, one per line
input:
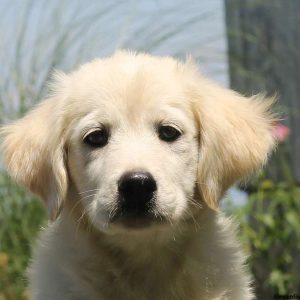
<point x="137" y="219"/>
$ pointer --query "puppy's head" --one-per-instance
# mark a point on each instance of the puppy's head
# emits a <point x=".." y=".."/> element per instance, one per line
<point x="135" y="140"/>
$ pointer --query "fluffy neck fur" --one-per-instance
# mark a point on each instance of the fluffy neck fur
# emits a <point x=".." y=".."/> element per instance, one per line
<point x="187" y="261"/>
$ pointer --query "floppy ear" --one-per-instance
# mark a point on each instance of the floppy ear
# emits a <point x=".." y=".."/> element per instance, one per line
<point x="34" y="153"/>
<point x="235" y="138"/>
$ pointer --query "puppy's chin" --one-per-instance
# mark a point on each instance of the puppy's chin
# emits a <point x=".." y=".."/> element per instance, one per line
<point x="138" y="221"/>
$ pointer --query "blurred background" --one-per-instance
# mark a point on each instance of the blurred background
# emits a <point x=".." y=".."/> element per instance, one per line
<point x="249" y="45"/>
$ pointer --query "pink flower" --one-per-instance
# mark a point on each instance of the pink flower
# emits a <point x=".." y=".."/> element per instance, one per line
<point x="281" y="132"/>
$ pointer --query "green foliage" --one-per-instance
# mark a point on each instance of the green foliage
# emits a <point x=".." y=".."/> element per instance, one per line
<point x="270" y="231"/>
<point x="21" y="216"/>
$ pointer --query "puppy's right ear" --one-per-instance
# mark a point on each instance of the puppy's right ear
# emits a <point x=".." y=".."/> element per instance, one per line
<point x="34" y="153"/>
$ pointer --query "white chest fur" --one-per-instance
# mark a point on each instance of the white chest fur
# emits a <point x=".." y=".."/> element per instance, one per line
<point x="196" y="261"/>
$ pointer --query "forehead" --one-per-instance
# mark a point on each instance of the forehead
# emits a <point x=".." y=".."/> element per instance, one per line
<point x="131" y="86"/>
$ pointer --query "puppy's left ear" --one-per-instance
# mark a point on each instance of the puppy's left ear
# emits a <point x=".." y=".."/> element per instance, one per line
<point x="235" y="137"/>
<point x="34" y="153"/>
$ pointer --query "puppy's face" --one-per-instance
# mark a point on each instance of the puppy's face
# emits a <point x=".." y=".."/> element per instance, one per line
<point x="133" y="150"/>
<point x="130" y="139"/>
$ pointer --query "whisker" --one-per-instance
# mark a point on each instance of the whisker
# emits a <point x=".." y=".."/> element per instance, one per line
<point x="194" y="202"/>
<point x="196" y="224"/>
<point x="78" y="202"/>
<point x="87" y="196"/>
<point x="112" y="213"/>
<point x="74" y="206"/>
<point x="79" y="221"/>
<point x="201" y="183"/>
<point x="87" y="191"/>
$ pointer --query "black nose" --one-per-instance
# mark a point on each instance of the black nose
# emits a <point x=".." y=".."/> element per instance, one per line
<point x="136" y="190"/>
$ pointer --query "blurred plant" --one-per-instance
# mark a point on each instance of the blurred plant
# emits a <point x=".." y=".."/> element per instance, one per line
<point x="270" y="226"/>
<point x="270" y="231"/>
<point x="21" y="217"/>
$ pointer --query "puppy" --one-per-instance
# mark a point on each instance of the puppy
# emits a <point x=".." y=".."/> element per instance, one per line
<point x="131" y="155"/>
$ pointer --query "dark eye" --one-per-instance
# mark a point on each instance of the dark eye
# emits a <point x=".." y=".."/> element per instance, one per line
<point x="97" y="138"/>
<point x="168" y="133"/>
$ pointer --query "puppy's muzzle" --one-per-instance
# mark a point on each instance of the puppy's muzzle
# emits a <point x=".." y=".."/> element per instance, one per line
<point x="136" y="193"/>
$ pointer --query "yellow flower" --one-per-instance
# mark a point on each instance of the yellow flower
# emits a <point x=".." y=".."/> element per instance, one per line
<point x="3" y="260"/>
<point x="267" y="184"/>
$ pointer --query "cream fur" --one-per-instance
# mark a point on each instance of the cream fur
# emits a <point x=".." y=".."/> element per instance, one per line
<point x="193" y="255"/>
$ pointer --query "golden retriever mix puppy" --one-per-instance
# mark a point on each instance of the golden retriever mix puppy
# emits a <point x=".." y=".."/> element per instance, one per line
<point x="131" y="155"/>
